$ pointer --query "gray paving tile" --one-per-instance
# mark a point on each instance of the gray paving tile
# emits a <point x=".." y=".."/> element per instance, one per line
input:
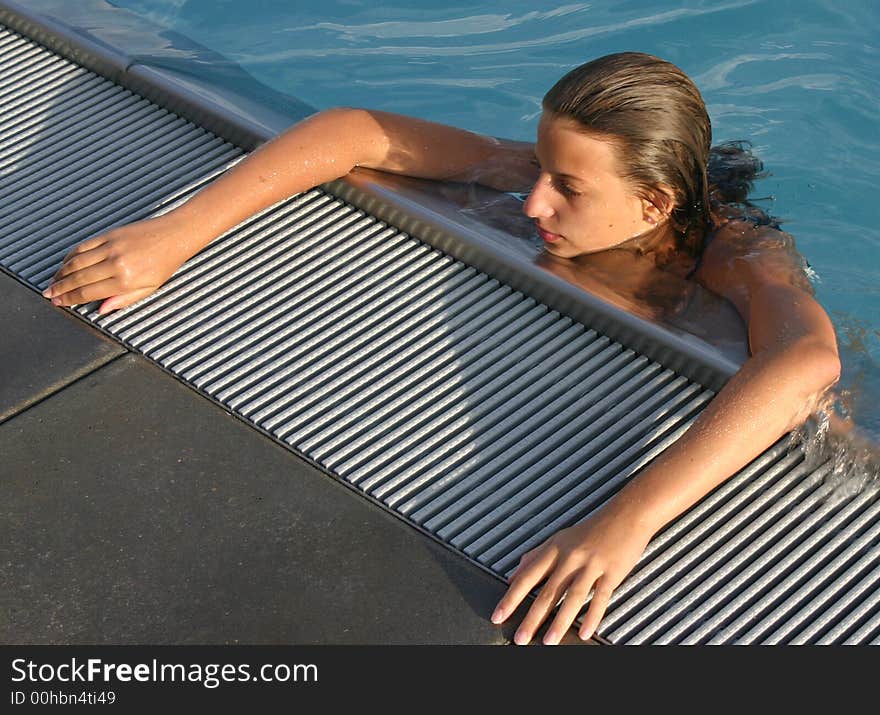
<point x="137" y="511"/>
<point x="42" y="347"/>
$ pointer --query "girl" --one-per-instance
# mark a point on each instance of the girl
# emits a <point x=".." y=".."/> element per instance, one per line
<point x="622" y="163"/>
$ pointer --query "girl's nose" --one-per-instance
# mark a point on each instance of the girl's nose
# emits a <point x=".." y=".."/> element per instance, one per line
<point x="537" y="205"/>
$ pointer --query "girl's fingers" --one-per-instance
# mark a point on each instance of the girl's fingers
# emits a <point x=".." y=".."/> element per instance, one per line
<point x="525" y="579"/>
<point x="89" y="243"/>
<point x="124" y="300"/>
<point x="81" y="284"/>
<point x="541" y="608"/>
<point x="524" y="561"/>
<point x="86" y="294"/>
<point x="80" y="261"/>
<point x="574" y="600"/>
<point x="601" y="596"/>
<point x="81" y="249"/>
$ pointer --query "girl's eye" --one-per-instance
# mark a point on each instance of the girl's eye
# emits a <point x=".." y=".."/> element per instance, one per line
<point x="566" y="190"/>
<point x="561" y="186"/>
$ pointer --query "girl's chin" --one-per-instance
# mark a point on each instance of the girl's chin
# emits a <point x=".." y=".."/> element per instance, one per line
<point x="565" y="249"/>
<point x="557" y="251"/>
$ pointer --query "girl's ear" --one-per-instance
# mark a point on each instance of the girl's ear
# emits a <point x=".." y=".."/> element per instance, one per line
<point x="658" y="208"/>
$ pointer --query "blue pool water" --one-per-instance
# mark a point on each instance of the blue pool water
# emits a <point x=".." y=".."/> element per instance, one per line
<point x="799" y="78"/>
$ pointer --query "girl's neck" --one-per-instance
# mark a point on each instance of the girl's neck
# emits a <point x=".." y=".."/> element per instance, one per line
<point x="661" y="242"/>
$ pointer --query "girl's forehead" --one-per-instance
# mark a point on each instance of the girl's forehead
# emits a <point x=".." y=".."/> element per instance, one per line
<point x="550" y="122"/>
<point x="568" y="130"/>
<point x="567" y="149"/>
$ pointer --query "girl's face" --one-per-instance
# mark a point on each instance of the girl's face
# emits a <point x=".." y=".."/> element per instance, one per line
<point x="579" y="202"/>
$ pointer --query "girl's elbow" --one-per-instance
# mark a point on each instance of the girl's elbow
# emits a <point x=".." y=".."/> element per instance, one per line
<point x="819" y="371"/>
<point x="818" y="366"/>
<point x="826" y="367"/>
<point x="835" y="368"/>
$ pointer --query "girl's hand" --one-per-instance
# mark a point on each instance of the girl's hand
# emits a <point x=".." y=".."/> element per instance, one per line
<point x="123" y="265"/>
<point x="596" y="554"/>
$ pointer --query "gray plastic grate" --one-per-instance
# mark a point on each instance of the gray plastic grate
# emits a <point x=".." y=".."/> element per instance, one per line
<point x="470" y="409"/>
<point x="81" y="155"/>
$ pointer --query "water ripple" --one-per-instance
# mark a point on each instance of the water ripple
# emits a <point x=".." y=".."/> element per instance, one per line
<point x="553" y="40"/>
<point x="452" y="27"/>
<point x="717" y="77"/>
<point x="800" y="78"/>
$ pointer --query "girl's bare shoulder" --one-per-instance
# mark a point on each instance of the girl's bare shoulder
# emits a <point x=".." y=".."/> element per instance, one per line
<point x="742" y="255"/>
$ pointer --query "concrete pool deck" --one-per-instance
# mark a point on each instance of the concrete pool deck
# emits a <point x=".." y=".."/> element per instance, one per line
<point x="139" y="511"/>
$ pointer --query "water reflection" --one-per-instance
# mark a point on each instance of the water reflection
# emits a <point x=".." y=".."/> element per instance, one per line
<point x="627" y="280"/>
<point x="840" y="433"/>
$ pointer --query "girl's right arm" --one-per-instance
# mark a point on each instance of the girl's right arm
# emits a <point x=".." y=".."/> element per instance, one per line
<point x="128" y="263"/>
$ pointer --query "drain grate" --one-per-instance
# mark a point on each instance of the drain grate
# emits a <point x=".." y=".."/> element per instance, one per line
<point x="469" y="408"/>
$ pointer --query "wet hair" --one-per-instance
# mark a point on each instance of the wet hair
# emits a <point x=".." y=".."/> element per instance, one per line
<point x="732" y="171"/>
<point x="655" y="116"/>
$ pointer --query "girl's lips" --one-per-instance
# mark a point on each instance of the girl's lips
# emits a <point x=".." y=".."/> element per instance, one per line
<point x="547" y="236"/>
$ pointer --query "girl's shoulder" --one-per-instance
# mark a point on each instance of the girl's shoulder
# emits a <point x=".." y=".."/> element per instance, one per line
<point x="744" y="253"/>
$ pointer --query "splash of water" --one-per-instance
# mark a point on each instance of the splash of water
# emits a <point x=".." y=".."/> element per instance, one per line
<point x="830" y="437"/>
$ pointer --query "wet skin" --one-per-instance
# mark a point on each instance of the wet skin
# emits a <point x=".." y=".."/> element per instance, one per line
<point x="580" y="203"/>
<point x="584" y="209"/>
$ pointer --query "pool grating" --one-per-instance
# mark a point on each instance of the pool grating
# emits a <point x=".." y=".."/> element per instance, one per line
<point x="475" y="412"/>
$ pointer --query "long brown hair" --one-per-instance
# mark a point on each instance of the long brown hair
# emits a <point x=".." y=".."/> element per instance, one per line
<point x="655" y="116"/>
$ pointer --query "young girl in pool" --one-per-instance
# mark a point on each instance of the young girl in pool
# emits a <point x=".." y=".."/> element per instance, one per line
<point x="621" y="163"/>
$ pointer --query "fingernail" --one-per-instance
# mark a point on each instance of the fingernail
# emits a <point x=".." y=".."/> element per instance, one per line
<point x="520" y="638"/>
<point x="585" y="635"/>
<point x="56" y="301"/>
<point x="498" y="615"/>
<point x="47" y="292"/>
<point x="551" y="638"/>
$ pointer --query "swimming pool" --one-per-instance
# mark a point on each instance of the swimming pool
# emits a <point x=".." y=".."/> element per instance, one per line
<point x="798" y="79"/>
<point x="780" y="515"/>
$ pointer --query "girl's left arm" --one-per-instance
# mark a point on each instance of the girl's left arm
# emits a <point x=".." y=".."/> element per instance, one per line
<point x="793" y="362"/>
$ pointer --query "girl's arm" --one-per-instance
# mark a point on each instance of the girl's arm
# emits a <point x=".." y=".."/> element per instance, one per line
<point x="793" y="362"/>
<point x="130" y="262"/>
